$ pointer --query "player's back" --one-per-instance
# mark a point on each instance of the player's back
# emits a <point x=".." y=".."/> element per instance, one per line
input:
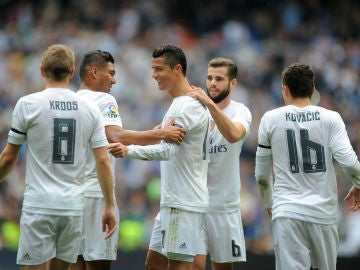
<point x="303" y="142"/>
<point x="59" y="126"/>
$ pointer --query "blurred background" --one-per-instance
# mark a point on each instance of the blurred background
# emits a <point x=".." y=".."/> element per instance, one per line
<point x="261" y="36"/>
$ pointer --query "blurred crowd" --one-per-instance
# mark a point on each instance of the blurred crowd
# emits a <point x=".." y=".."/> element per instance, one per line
<point x="261" y="36"/>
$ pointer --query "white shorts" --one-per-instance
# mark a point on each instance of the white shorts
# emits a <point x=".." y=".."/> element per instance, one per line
<point x="43" y="237"/>
<point x="223" y="237"/>
<point x="176" y="233"/>
<point x="299" y="244"/>
<point x="156" y="236"/>
<point x="94" y="246"/>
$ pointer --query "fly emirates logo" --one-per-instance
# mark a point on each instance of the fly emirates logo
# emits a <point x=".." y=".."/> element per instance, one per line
<point x="221" y="148"/>
<point x="216" y="148"/>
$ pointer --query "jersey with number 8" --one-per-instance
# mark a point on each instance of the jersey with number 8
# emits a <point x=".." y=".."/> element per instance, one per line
<point x="58" y="126"/>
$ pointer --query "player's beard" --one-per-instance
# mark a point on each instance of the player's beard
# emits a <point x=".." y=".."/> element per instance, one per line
<point x="221" y="96"/>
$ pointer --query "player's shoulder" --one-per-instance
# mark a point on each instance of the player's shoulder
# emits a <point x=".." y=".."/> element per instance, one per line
<point x="27" y="98"/>
<point x="42" y="97"/>
<point x="189" y="103"/>
<point x="238" y="106"/>
<point x="274" y="113"/>
<point x="191" y="109"/>
<point x="99" y="98"/>
<point x="326" y="114"/>
<point x="33" y="96"/>
<point x="94" y="94"/>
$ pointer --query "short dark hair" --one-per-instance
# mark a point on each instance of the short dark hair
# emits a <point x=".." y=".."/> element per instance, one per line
<point x="300" y="80"/>
<point x="94" y="58"/>
<point x="172" y="56"/>
<point x="225" y="62"/>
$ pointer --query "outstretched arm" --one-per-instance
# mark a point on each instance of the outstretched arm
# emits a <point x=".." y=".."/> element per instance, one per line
<point x="169" y="133"/>
<point x="161" y="151"/>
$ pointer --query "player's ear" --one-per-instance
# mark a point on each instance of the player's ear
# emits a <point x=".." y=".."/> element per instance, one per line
<point x="178" y="68"/>
<point x="72" y="72"/>
<point x="285" y="93"/>
<point x="42" y="71"/>
<point x="233" y="83"/>
<point x="285" y="90"/>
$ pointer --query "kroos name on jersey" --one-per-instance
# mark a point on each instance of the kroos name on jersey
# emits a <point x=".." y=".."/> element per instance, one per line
<point x="63" y="105"/>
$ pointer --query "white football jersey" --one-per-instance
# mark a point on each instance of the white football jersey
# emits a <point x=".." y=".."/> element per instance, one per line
<point x="184" y="166"/>
<point x="58" y="127"/>
<point x="224" y="171"/>
<point x="303" y="142"/>
<point x="109" y="110"/>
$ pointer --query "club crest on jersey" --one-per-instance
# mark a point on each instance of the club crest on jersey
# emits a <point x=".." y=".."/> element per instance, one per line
<point x="113" y="111"/>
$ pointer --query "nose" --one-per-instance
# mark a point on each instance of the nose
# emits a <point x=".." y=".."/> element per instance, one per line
<point x="212" y="82"/>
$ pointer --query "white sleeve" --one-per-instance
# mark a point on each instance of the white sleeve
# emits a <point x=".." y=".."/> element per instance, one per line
<point x="353" y="173"/>
<point x="17" y="134"/>
<point x="343" y="151"/>
<point x="161" y="151"/>
<point x="110" y="111"/>
<point x="244" y="117"/>
<point x="263" y="175"/>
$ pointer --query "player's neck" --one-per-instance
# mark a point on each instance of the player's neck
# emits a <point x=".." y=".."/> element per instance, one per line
<point x="57" y="84"/>
<point x="181" y="89"/>
<point x="300" y="102"/>
<point x="224" y="103"/>
<point x="84" y="85"/>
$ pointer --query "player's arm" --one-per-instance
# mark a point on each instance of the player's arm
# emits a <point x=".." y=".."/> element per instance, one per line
<point x="106" y="182"/>
<point x="8" y="158"/>
<point x="161" y="151"/>
<point x="263" y="175"/>
<point x="169" y="133"/>
<point x="232" y="131"/>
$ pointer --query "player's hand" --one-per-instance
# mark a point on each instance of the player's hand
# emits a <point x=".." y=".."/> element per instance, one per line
<point x="353" y="197"/>
<point x="269" y="211"/>
<point x="118" y="150"/>
<point x="200" y="94"/>
<point x="109" y="222"/>
<point x="173" y="133"/>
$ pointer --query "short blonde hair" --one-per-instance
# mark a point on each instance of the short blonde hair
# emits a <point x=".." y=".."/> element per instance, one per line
<point x="58" y="61"/>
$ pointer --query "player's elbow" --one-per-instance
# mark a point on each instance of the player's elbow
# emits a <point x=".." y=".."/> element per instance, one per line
<point x="8" y="160"/>
<point x="114" y="134"/>
<point x="112" y="137"/>
<point x="234" y="137"/>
